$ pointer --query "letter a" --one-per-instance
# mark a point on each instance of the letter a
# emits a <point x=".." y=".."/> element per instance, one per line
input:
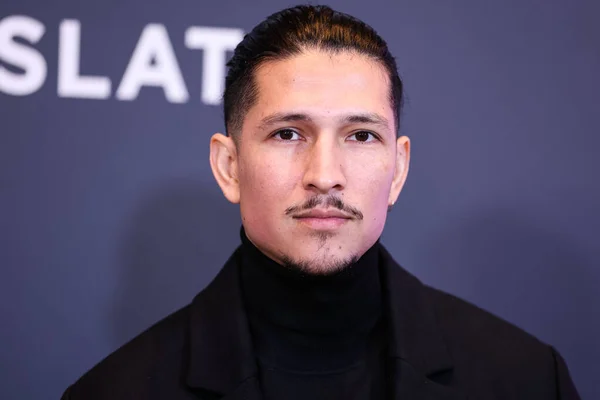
<point x="153" y="63"/>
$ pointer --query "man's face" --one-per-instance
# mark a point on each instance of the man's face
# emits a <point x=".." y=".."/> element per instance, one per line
<point x="318" y="162"/>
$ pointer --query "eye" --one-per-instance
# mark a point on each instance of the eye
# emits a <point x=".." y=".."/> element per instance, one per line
<point x="288" y="135"/>
<point x="363" y="136"/>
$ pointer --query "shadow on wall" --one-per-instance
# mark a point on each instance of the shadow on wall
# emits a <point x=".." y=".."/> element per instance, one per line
<point x="177" y="241"/>
<point x="527" y="273"/>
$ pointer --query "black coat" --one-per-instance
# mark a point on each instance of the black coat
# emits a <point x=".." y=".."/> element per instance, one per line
<point x="442" y="348"/>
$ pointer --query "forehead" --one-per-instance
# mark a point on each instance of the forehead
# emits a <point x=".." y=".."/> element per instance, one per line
<point x="323" y="85"/>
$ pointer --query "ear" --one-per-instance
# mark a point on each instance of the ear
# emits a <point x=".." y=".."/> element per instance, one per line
<point x="224" y="165"/>
<point x="401" y="172"/>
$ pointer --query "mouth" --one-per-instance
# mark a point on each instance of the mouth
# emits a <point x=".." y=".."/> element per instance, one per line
<point x="323" y="219"/>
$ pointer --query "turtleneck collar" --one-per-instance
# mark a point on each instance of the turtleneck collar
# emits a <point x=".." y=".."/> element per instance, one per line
<point x="307" y="322"/>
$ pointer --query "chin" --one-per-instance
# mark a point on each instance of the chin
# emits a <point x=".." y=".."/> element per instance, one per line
<point x="321" y="264"/>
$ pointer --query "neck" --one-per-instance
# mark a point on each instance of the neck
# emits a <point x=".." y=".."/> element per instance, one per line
<point x="301" y="321"/>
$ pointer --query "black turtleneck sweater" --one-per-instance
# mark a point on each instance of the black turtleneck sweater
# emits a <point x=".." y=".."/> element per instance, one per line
<point x="315" y="336"/>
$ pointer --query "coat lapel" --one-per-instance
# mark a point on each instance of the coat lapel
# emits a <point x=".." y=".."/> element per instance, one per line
<point x="409" y="383"/>
<point x="221" y="352"/>
<point x="247" y="390"/>
<point x="417" y="348"/>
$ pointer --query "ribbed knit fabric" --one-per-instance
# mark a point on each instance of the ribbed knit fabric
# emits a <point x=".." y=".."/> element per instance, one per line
<point x="315" y="337"/>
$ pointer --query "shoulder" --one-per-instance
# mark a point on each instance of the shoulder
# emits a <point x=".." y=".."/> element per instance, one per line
<point x="473" y="336"/>
<point x="486" y="346"/>
<point x="467" y="324"/>
<point x="134" y="365"/>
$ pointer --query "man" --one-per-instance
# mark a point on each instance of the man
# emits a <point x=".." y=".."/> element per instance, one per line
<point x="311" y="306"/>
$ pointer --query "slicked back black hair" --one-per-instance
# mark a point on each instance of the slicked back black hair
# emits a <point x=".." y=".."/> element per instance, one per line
<point x="290" y="32"/>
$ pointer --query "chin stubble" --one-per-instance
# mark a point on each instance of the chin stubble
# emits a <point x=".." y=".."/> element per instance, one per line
<point x="319" y="265"/>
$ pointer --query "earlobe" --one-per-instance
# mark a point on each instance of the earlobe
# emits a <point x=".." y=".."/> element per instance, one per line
<point x="224" y="165"/>
<point x="401" y="168"/>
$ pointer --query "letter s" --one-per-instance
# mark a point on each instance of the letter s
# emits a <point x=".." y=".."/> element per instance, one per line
<point x="23" y="57"/>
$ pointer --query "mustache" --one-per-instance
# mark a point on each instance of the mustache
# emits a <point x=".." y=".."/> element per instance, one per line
<point x="328" y="201"/>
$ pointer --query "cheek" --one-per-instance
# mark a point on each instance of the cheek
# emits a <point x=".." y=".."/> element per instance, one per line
<point x="265" y="184"/>
<point x="378" y="191"/>
<point x="375" y="184"/>
<point x="377" y="180"/>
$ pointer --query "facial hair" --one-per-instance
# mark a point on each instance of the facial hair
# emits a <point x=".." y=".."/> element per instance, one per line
<point x="319" y="265"/>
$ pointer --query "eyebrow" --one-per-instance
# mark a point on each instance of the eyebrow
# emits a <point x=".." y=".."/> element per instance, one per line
<point x="360" y="118"/>
<point x="282" y="117"/>
<point x="367" y="118"/>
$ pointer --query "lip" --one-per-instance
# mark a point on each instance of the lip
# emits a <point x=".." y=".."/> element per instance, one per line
<point x="323" y="214"/>
<point x="319" y="219"/>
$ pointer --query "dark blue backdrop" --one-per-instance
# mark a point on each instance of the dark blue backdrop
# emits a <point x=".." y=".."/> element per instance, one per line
<point x="110" y="217"/>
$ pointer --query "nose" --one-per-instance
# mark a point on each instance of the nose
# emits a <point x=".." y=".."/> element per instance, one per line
<point x="324" y="167"/>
